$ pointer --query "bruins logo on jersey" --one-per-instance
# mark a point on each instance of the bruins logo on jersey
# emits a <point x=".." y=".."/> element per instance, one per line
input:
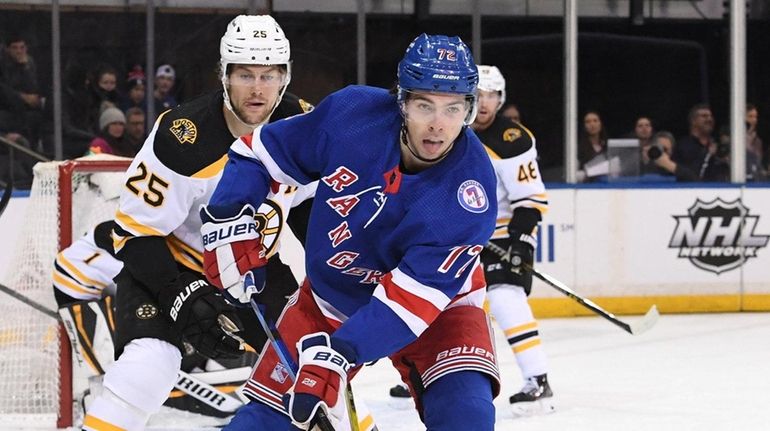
<point x="269" y="220"/>
<point x="146" y="311"/>
<point x="306" y="107"/>
<point x="184" y="130"/>
<point x="510" y="135"/>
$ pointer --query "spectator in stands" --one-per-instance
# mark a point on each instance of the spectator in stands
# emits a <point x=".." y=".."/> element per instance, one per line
<point x="656" y="158"/>
<point x="165" y="77"/>
<point x="135" y="91"/>
<point x="511" y="111"/>
<point x="79" y="111"/>
<point x="593" y="139"/>
<point x="754" y="143"/>
<point x="21" y="104"/>
<point x="754" y="169"/>
<point x="643" y="131"/>
<point x="697" y="155"/>
<point x="111" y="140"/>
<point x="105" y="87"/>
<point x="135" y="127"/>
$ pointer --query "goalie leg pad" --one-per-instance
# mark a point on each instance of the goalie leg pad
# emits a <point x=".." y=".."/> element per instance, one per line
<point x="145" y="373"/>
<point x="138" y="315"/>
<point x="469" y="389"/>
<point x="257" y="416"/>
<point x="90" y="327"/>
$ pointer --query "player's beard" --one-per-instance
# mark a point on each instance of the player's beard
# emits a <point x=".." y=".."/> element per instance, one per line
<point x="262" y="118"/>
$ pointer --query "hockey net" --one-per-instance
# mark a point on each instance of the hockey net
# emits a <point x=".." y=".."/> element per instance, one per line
<point x="66" y="199"/>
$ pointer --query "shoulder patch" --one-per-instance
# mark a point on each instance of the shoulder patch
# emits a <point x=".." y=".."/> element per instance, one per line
<point x="184" y="130"/>
<point x="472" y="196"/>
<point x="306" y="106"/>
<point x="511" y="134"/>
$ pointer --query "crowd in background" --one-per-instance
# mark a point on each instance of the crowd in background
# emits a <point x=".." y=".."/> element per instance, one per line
<point x="104" y="111"/>
<point x="701" y="155"/>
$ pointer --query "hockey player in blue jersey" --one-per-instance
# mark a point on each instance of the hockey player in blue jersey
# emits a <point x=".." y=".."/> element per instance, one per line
<point x="405" y="204"/>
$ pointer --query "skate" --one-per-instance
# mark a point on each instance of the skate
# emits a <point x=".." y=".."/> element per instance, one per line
<point x="534" y="398"/>
<point x="400" y="398"/>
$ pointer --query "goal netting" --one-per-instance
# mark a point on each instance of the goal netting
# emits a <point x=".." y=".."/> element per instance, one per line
<point x="66" y="199"/>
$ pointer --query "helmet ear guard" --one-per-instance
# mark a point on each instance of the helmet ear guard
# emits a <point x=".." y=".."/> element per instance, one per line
<point x="439" y="64"/>
<point x="257" y="40"/>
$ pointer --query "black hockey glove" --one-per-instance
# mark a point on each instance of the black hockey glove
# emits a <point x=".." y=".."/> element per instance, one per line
<point x="200" y="313"/>
<point x="521" y="251"/>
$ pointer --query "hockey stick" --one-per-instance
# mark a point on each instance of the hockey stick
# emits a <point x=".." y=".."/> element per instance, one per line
<point x="32" y="303"/>
<point x="649" y="320"/>
<point x="282" y="351"/>
<point x="6" y="194"/>
<point x="185" y="382"/>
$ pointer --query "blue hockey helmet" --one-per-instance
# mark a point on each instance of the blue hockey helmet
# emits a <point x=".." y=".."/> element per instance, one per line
<point x="439" y="64"/>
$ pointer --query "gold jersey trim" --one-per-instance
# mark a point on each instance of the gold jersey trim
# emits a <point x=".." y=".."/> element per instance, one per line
<point x="213" y="169"/>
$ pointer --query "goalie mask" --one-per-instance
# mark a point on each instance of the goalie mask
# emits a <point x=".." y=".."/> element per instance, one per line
<point x="254" y="40"/>
<point x="490" y="79"/>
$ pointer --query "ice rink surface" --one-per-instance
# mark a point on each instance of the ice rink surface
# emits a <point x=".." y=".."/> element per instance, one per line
<point x="690" y="372"/>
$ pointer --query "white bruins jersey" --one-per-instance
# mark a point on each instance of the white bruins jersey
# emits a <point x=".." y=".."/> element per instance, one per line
<point x="177" y="170"/>
<point x="511" y="147"/>
<point x="85" y="270"/>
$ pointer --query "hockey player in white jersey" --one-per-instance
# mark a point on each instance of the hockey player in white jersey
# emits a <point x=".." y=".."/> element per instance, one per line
<point x="521" y="201"/>
<point x="163" y="300"/>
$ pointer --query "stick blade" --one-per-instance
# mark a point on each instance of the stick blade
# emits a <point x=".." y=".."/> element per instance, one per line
<point x="649" y="320"/>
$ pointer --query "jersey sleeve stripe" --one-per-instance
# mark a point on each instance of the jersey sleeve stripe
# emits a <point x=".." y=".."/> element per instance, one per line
<point x="415" y="324"/>
<point x="64" y="285"/>
<point x="212" y="169"/>
<point x="416" y="310"/>
<point x="78" y="275"/>
<point x="134" y="227"/>
<point x="409" y="284"/>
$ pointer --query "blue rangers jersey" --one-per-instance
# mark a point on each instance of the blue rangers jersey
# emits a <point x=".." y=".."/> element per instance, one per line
<point x="386" y="251"/>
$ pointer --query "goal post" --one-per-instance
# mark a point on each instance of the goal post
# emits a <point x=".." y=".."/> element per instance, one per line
<point x="67" y="198"/>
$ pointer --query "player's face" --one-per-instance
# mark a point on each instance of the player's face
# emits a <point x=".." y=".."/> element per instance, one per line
<point x="434" y="121"/>
<point x="489" y="103"/>
<point x="254" y="90"/>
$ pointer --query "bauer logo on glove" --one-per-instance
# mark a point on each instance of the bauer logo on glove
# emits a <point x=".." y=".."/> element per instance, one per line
<point x="182" y="296"/>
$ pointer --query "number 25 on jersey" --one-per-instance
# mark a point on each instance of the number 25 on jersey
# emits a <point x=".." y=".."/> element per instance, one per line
<point x="147" y="185"/>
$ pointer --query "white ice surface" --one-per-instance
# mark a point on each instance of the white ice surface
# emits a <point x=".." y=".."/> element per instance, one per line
<point x="689" y="372"/>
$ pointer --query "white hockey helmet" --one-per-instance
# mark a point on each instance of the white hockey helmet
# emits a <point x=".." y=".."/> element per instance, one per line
<point x="254" y="39"/>
<point x="490" y="79"/>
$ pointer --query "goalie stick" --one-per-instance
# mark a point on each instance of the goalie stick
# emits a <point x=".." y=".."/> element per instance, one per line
<point x="185" y="382"/>
<point x="649" y="320"/>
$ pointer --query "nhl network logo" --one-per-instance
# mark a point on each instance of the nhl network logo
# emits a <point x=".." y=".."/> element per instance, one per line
<point x="717" y="236"/>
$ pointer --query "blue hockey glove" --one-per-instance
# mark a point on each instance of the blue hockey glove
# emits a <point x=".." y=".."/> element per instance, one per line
<point x="321" y="380"/>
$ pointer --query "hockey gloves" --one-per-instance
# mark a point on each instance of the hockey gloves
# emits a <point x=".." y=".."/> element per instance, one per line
<point x="202" y="316"/>
<point x="321" y="381"/>
<point x="232" y="247"/>
<point x="521" y="252"/>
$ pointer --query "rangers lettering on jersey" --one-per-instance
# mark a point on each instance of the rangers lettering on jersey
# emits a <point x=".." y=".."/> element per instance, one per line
<point x="340" y="179"/>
